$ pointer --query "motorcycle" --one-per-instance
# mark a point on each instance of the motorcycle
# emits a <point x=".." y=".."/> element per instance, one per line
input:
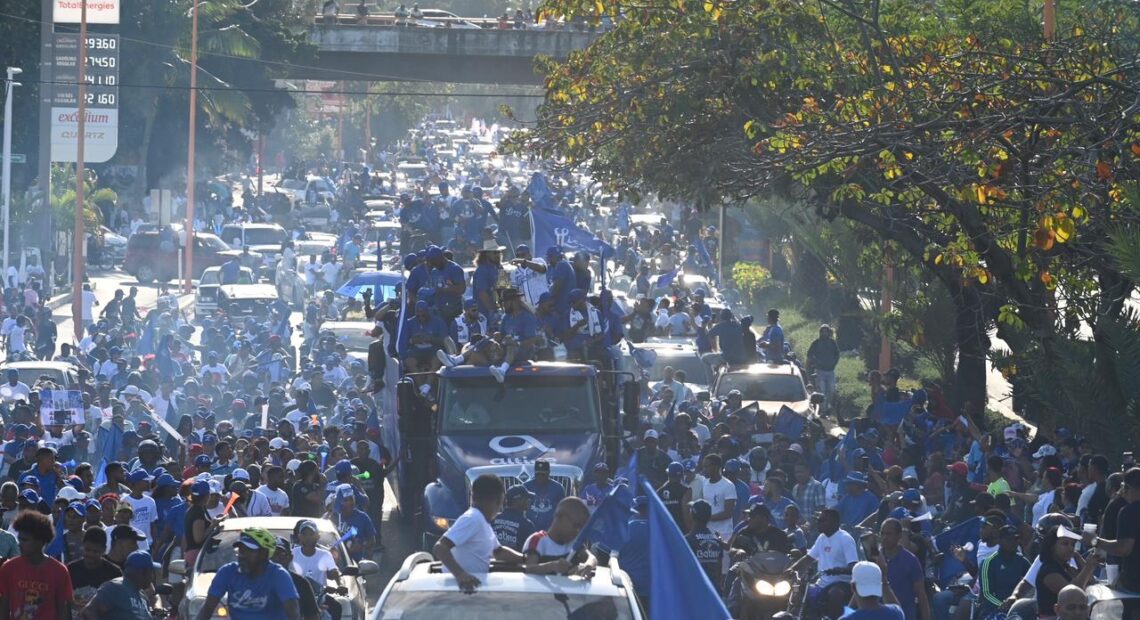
<point x="765" y="585"/>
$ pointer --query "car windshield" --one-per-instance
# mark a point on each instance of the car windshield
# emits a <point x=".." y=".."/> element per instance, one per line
<point x="353" y="338"/>
<point x="695" y="370"/>
<point x="320" y="185"/>
<point x="210" y="277"/>
<point x="455" y="605"/>
<point x="536" y="404"/>
<point x="414" y="171"/>
<point x="292" y="184"/>
<point x="212" y="242"/>
<point x="219" y="550"/>
<point x="774" y="387"/>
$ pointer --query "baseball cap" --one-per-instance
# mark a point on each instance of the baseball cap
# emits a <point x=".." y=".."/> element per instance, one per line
<point x="240" y="474"/>
<point x="126" y="532"/>
<point x="30" y="496"/>
<point x="650" y="434"/>
<point x="577" y="295"/>
<point x="343" y="467"/>
<point x="1044" y="451"/>
<point x="518" y="491"/>
<point x="200" y="488"/>
<point x="867" y="579"/>
<point x="139" y="560"/>
<point x="165" y="480"/>
<point x="675" y="469"/>
<point x="1007" y="530"/>
<point x="309" y="524"/>
<point x="701" y="509"/>
<point x="202" y="460"/>
<point x="911" y="495"/>
<point x="959" y="468"/>
<point x="138" y="475"/>
<point x="732" y="466"/>
<point x="542" y="466"/>
<point x="69" y="493"/>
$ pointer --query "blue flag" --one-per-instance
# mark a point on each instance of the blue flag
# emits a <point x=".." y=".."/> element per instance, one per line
<point x="789" y="423"/>
<point x="968" y="531"/>
<point x="554" y="229"/>
<point x="629" y="472"/>
<point x="666" y="279"/>
<point x="680" y="589"/>
<point x="609" y="525"/>
<point x="146" y="341"/>
<point x="101" y="475"/>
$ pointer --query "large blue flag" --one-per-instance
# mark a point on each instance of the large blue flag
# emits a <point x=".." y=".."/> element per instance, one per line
<point x="629" y="472"/>
<point x="666" y="279"/>
<point x="890" y="413"/>
<point x="968" y="531"/>
<point x="789" y="423"/>
<point x="552" y="228"/>
<point x="609" y="525"/>
<point x="680" y="589"/>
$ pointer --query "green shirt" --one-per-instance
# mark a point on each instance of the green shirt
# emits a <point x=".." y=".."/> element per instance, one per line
<point x="997" y="487"/>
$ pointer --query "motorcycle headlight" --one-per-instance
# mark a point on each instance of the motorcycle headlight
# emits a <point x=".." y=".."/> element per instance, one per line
<point x="782" y="588"/>
<point x="763" y="588"/>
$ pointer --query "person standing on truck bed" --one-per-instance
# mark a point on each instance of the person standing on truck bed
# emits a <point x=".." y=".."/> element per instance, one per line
<point x="547" y="494"/>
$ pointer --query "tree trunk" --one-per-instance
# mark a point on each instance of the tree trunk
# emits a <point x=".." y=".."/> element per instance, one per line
<point x="973" y="348"/>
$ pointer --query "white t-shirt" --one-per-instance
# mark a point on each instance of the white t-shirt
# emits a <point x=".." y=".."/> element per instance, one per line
<point x="146" y="513"/>
<point x="278" y="500"/>
<point x="314" y="567"/>
<point x="835" y="551"/>
<point x="1042" y="505"/>
<point x="475" y="542"/>
<point x="717" y="494"/>
<point x="16" y="339"/>
<point x="330" y="270"/>
<point x="542" y="544"/>
<point x="219" y="370"/>
<point x="10" y="393"/>
<point x="530" y="282"/>
<point x="88" y="303"/>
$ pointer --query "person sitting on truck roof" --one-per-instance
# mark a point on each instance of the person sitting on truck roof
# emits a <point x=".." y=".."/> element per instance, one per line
<point x="421" y="337"/>
<point x="585" y="336"/>
<point x="552" y="551"/>
<point x="520" y="323"/>
<point x="495" y="352"/>
<point x="469" y="326"/>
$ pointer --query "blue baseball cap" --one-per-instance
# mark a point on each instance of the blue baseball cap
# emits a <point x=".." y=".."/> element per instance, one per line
<point x="343" y="467"/>
<point x="554" y="250"/>
<point x="200" y="488"/>
<point x="856" y="477"/>
<point x="410" y="261"/>
<point x="732" y="466"/>
<point x="166" y="480"/>
<point x="675" y="469"/>
<point x="434" y="252"/>
<point x="139" y="560"/>
<point x="202" y="460"/>
<point x="422" y="305"/>
<point x="30" y="496"/>
<point x="577" y="295"/>
<point x="138" y="475"/>
<point x="900" y="513"/>
<point x="911" y="495"/>
<point x="522" y="248"/>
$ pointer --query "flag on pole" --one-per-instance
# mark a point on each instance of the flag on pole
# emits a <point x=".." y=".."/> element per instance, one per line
<point x="555" y="229"/>
<point x="679" y="588"/>
<point x="609" y="525"/>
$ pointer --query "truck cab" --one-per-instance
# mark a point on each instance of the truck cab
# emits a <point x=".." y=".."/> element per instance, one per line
<point x="566" y="414"/>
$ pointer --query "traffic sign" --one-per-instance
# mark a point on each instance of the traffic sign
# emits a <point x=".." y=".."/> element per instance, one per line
<point x="18" y="158"/>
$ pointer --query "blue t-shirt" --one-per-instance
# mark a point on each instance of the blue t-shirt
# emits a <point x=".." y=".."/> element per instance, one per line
<point x="546" y="498"/>
<point x="412" y="327"/>
<point x="417" y="278"/>
<point x="483" y="280"/>
<point x="48" y="484"/>
<point x="562" y="274"/>
<point x="512" y="528"/>
<point x="451" y="273"/>
<point x="728" y="336"/>
<point x="902" y="571"/>
<point x="854" y="508"/>
<point x="262" y="598"/>
<point x="365" y="530"/>
<point x="886" y="612"/>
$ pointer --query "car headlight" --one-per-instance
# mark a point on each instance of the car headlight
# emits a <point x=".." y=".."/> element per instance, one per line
<point x="780" y="588"/>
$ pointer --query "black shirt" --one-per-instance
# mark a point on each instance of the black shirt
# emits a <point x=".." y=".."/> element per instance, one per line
<point x="1108" y="522"/>
<point x="374" y="486"/>
<point x="709" y="551"/>
<point x="512" y="528"/>
<point x="83" y="577"/>
<point x="193" y="515"/>
<point x="1046" y="598"/>
<point x="672" y="493"/>
<point x="301" y="506"/>
<point x="1097" y="503"/>
<point x="1128" y="526"/>
<point x="307" y="599"/>
<point x="771" y="539"/>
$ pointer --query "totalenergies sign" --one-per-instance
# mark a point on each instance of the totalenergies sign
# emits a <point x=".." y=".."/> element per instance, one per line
<point x="98" y="11"/>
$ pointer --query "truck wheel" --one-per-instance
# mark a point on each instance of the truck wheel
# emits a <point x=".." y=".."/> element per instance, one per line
<point x="145" y="274"/>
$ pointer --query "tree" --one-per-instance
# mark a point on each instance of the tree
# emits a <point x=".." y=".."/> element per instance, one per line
<point x="991" y="157"/>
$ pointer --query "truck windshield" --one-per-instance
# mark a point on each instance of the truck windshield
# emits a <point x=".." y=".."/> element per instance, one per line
<point x="536" y="404"/>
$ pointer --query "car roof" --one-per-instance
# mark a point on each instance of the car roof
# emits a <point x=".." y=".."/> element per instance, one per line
<point x="39" y="364"/>
<point x="427" y="577"/>
<point x="273" y="523"/>
<point x="254" y="225"/>
<point x="669" y="348"/>
<point x="765" y="369"/>
<point x="250" y="291"/>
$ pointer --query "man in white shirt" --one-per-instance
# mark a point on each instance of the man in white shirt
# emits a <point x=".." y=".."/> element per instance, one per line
<point x="720" y="493"/>
<point x="88" y="303"/>
<point x="466" y="548"/>
<point x="14" y="389"/>
<point x="144" y="511"/>
<point x="835" y="555"/>
<point x="276" y="496"/>
<point x="529" y="276"/>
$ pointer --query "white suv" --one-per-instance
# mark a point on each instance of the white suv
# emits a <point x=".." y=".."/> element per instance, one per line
<point x="421" y="590"/>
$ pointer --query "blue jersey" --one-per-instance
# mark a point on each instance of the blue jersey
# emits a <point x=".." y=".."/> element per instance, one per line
<point x="512" y="528"/>
<point x="593" y="494"/>
<point x="260" y="598"/>
<point x="483" y="281"/>
<point x="854" y="508"/>
<point x="562" y="275"/>
<point x="413" y="326"/>
<point x="448" y="275"/>
<point x="635" y="556"/>
<point x="546" y="498"/>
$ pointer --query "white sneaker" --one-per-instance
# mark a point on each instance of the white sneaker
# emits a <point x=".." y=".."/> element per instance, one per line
<point x="448" y="360"/>
<point x="498" y="373"/>
<point x="450" y="346"/>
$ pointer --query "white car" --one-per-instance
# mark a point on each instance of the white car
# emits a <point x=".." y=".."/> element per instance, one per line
<point x="698" y="375"/>
<point x="219" y="550"/>
<point x="297" y="190"/>
<point x="354" y="335"/>
<point x="770" y="386"/>
<point x="420" y="590"/>
<point x="206" y="293"/>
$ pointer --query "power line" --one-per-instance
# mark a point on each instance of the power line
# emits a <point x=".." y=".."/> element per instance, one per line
<point x="303" y="91"/>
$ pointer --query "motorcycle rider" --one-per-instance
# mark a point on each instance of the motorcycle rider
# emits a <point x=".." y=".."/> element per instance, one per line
<point x="758" y="534"/>
<point x="835" y="554"/>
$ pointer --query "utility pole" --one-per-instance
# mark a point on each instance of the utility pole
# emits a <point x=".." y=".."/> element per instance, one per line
<point x="6" y="190"/>
<point x="1050" y="14"/>
<point x="78" y="243"/>
<point x="188" y="246"/>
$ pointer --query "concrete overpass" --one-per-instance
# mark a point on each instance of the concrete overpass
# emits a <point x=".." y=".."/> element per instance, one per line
<point x="370" y="52"/>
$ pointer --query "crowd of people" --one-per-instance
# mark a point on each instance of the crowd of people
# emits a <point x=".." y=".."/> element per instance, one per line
<point x="907" y="510"/>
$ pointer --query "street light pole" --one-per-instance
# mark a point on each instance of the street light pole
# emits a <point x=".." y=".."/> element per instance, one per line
<point x="188" y="246"/>
<point x="6" y="189"/>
